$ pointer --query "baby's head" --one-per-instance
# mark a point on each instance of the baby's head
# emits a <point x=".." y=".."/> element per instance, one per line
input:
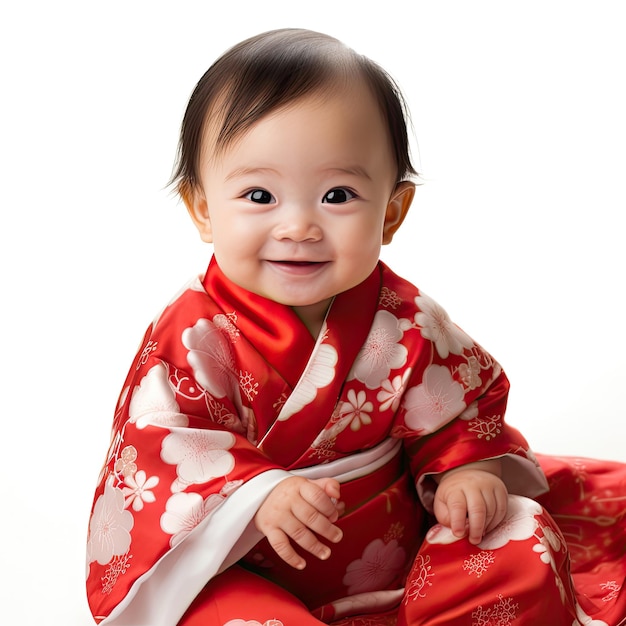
<point x="271" y="71"/>
<point x="293" y="162"/>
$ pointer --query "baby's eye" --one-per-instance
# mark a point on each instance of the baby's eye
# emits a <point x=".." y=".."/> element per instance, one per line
<point x="261" y="196"/>
<point x="338" y="195"/>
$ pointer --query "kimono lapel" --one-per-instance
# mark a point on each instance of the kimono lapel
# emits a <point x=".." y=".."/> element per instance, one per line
<point x="301" y="378"/>
<point x="310" y="406"/>
<point x="273" y="329"/>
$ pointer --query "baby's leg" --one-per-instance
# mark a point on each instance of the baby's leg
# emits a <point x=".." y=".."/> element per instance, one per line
<point x="238" y="597"/>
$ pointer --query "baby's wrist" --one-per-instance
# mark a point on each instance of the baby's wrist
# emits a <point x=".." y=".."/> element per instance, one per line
<point x="490" y="466"/>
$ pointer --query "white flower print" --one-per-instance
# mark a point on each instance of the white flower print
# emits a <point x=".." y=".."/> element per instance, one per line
<point x="154" y="401"/>
<point x="211" y="358"/>
<point x="109" y="527"/>
<point x="199" y="455"/>
<point x="501" y="613"/>
<point x="227" y="324"/>
<point x="487" y="427"/>
<point x="184" y="511"/>
<point x="185" y="385"/>
<point x="548" y="544"/>
<point x="125" y="464"/>
<point x="389" y="298"/>
<point x="391" y="391"/>
<point x="435" y="325"/>
<point x="435" y="402"/>
<point x="319" y="372"/>
<point x="149" y="348"/>
<point x="241" y="622"/>
<point x="353" y="413"/>
<point x="137" y="490"/>
<point x="519" y="524"/>
<point x="469" y="373"/>
<point x="337" y="424"/>
<point x="378" y="566"/>
<point x="613" y="589"/>
<point x="248" y="385"/>
<point x="356" y="410"/>
<point x="479" y="563"/>
<point x="421" y="573"/>
<point x="381" y="351"/>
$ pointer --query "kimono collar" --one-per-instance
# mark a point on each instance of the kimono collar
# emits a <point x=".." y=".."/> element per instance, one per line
<point x="275" y="330"/>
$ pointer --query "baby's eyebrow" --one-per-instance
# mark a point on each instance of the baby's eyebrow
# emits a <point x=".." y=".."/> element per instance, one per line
<point x="246" y="171"/>
<point x="352" y="170"/>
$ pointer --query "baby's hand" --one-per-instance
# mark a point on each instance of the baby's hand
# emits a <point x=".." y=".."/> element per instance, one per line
<point x="298" y="509"/>
<point x="471" y="497"/>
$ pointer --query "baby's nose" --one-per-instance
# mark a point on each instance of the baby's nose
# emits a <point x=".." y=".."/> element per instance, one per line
<point x="298" y="224"/>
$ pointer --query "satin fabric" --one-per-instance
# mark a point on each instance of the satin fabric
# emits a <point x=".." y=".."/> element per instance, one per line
<point x="229" y="394"/>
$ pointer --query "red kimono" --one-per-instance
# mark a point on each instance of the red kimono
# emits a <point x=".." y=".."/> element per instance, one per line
<point x="229" y="394"/>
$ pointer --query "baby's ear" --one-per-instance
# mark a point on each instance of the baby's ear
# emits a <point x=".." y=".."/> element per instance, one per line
<point x="397" y="208"/>
<point x="196" y="204"/>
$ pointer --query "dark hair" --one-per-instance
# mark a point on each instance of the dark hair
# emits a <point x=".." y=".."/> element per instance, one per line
<point x="269" y="71"/>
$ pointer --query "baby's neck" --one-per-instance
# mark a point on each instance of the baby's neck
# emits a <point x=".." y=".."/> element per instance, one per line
<point x="313" y="315"/>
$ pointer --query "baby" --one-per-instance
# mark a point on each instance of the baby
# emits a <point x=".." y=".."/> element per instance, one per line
<point x="301" y="400"/>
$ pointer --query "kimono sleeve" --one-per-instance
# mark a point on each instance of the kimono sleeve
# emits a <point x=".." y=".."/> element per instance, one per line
<point x="453" y="410"/>
<point x="180" y="487"/>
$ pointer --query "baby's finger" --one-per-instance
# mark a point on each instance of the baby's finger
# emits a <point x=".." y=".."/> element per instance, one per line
<point x="331" y="487"/>
<point x="499" y="507"/>
<point x="457" y="510"/>
<point x="315" y="521"/>
<point x="305" y="539"/>
<point x="283" y="548"/>
<point x="317" y="497"/>
<point x="476" y="517"/>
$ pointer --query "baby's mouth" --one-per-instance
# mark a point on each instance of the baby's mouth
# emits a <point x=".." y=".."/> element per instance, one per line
<point x="297" y="267"/>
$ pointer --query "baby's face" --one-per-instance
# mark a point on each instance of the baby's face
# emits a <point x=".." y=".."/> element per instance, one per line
<point x="296" y="208"/>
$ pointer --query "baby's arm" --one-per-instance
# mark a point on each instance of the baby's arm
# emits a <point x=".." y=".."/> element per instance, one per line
<point x="472" y="495"/>
<point x="298" y="509"/>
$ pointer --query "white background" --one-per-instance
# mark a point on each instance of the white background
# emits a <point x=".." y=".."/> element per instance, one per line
<point x="519" y="114"/>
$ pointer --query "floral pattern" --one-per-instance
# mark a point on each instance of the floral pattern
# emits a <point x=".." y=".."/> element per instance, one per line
<point x="379" y="564"/>
<point x="436" y="401"/>
<point x="436" y="326"/>
<point x="211" y="358"/>
<point x="382" y="351"/>
<point x="110" y="526"/>
<point x="241" y="622"/>
<point x="519" y="524"/>
<point x="154" y="401"/>
<point x="216" y="410"/>
<point x="357" y="409"/>
<point x="391" y="391"/>
<point x="137" y="490"/>
<point x="184" y="511"/>
<point x="319" y="373"/>
<point x="199" y="455"/>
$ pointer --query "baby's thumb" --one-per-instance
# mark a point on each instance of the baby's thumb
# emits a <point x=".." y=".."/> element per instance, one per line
<point x="332" y="489"/>
<point x="442" y="514"/>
